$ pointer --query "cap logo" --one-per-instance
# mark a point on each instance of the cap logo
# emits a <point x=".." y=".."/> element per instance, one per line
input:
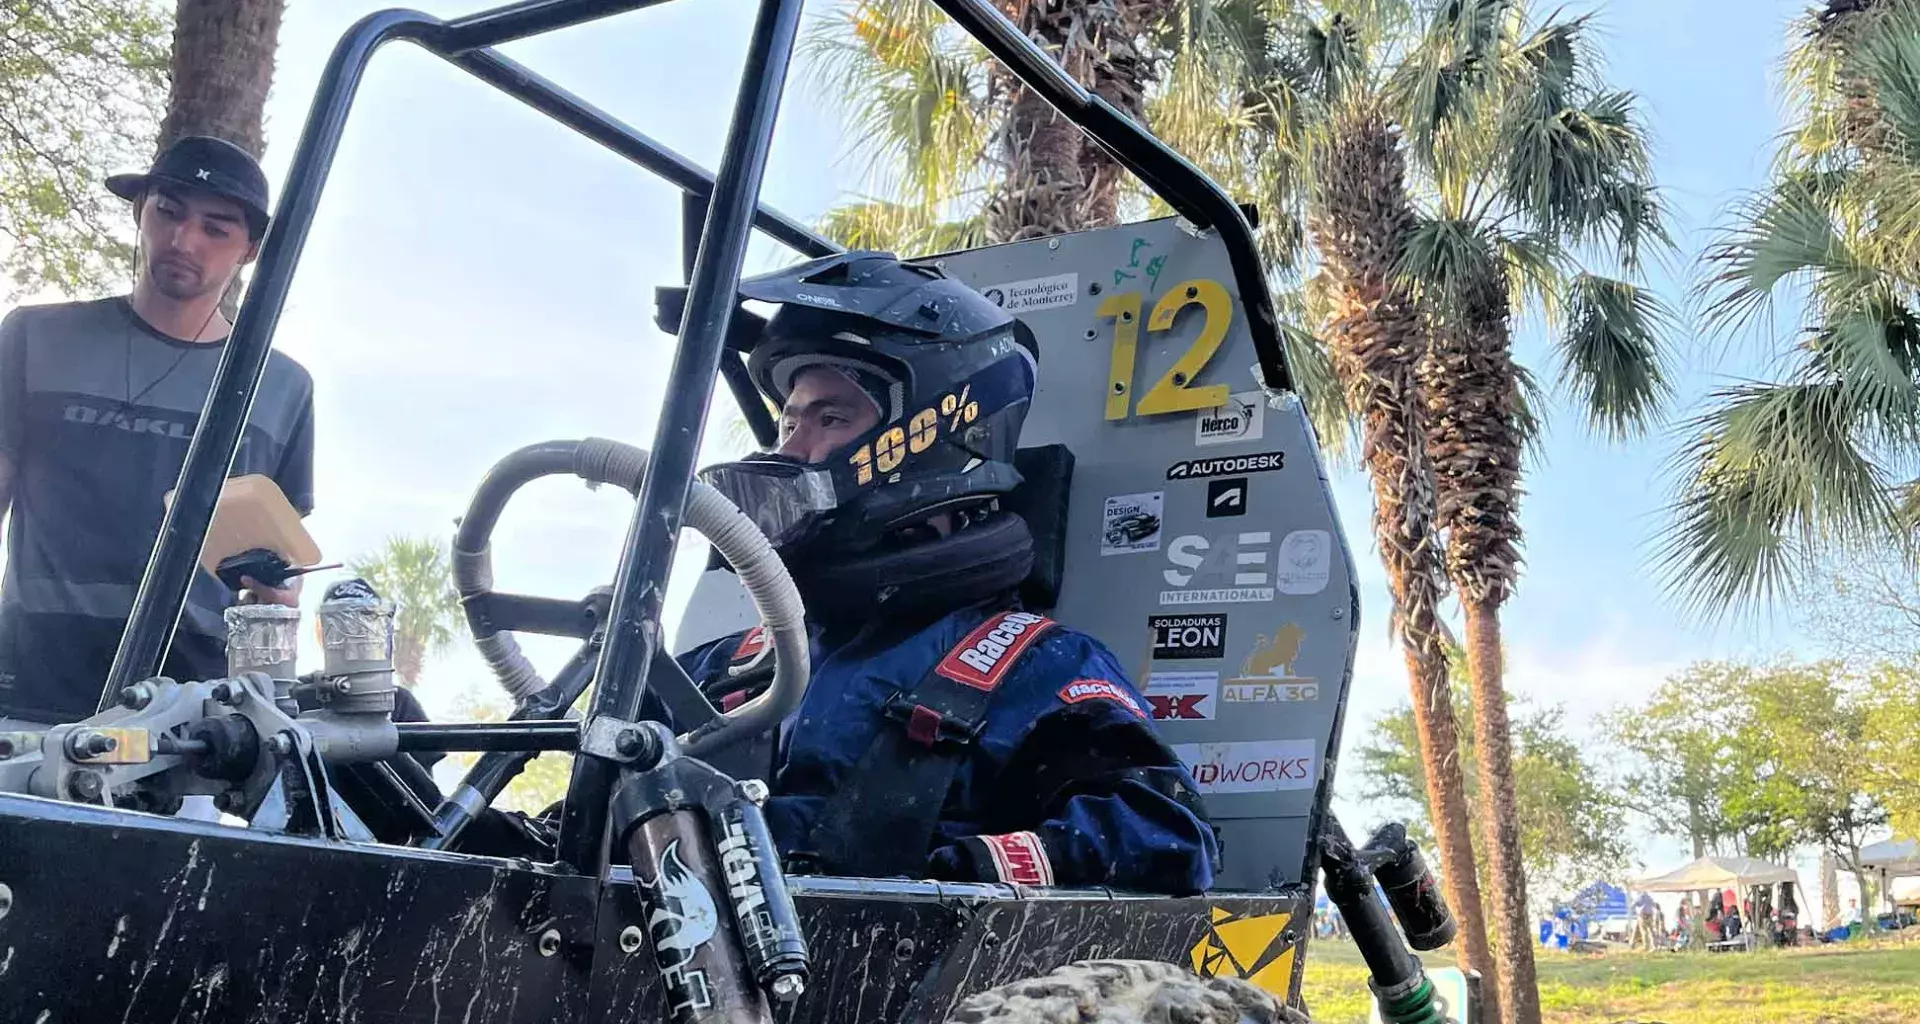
<point x="204" y="175"/>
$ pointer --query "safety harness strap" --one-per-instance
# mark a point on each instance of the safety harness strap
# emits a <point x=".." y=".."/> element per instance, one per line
<point x="882" y="820"/>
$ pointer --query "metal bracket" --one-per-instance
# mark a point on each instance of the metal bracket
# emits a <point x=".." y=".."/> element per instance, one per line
<point x="615" y="739"/>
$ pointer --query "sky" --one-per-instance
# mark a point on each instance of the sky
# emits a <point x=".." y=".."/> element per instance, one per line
<point x="480" y="278"/>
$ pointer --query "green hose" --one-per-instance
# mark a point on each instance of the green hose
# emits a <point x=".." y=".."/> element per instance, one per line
<point x="1416" y="1007"/>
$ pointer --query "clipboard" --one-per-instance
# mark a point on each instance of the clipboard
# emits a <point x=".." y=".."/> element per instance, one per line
<point x="254" y="513"/>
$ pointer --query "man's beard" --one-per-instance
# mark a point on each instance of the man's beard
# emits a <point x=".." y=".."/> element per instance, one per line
<point x="177" y="279"/>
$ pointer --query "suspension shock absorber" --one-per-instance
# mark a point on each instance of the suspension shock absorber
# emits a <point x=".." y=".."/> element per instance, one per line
<point x="724" y="930"/>
<point x="1398" y="979"/>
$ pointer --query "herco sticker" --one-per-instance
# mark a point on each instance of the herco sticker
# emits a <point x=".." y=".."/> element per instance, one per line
<point x="1130" y="523"/>
<point x="1306" y="562"/>
<point x="1183" y="696"/>
<point x="1267" y="675"/>
<point x="1256" y="766"/>
<point x="1035" y="293"/>
<point x="1232" y="465"/>
<point x="1188" y="637"/>
<point x="1243" y="418"/>
<point x="1229" y="569"/>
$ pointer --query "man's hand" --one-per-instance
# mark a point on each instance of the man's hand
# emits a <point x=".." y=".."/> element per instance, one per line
<point x="255" y="592"/>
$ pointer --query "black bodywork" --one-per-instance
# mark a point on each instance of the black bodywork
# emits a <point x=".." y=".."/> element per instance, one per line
<point x="110" y="915"/>
<point x="165" y="920"/>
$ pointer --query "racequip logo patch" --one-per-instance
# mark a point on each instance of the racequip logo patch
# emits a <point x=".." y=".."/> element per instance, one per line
<point x="984" y="656"/>
<point x="751" y="645"/>
<point x="1100" y="689"/>
<point x="1019" y="857"/>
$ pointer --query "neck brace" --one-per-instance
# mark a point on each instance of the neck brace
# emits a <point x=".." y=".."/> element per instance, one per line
<point x="927" y="579"/>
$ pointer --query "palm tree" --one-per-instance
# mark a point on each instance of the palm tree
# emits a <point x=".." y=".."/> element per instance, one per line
<point x="1530" y="163"/>
<point x="1780" y="473"/>
<point x="966" y="153"/>
<point x="222" y="69"/>
<point x="416" y="575"/>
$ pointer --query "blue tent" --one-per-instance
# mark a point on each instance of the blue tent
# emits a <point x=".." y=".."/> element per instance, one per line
<point x="1600" y="901"/>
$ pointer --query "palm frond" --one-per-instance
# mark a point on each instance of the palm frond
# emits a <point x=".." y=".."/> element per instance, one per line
<point x="913" y="90"/>
<point x="1782" y="234"/>
<point x="908" y="229"/>
<point x="1315" y="380"/>
<point x="1871" y="352"/>
<point x="1774" y="471"/>
<point x="1451" y="266"/>
<point x="1890" y="60"/>
<point x="1612" y="354"/>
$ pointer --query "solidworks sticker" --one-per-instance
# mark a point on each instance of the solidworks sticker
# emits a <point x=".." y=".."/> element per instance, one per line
<point x="1100" y="689"/>
<point x="1019" y="857"/>
<point x="1257" y="766"/>
<point x="984" y="656"/>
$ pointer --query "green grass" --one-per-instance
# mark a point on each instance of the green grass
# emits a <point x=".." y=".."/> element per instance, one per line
<point x="1827" y="985"/>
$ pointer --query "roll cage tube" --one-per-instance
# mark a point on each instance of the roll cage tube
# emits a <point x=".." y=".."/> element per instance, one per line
<point x="729" y="204"/>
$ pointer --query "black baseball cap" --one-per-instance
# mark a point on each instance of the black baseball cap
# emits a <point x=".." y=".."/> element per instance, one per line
<point x="209" y="165"/>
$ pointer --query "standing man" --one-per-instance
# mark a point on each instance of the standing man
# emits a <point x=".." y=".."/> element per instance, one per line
<point x="97" y="403"/>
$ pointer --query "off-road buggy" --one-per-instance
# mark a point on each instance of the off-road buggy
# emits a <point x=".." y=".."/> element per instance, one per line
<point x="357" y="893"/>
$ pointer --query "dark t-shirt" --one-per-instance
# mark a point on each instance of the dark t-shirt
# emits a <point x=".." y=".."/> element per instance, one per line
<point x="96" y="409"/>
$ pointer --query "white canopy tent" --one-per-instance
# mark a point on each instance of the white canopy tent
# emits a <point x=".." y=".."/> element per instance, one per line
<point x="1717" y="873"/>
<point x="1892" y="858"/>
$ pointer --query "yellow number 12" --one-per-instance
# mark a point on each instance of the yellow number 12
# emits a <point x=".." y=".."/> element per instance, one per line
<point x="1173" y="392"/>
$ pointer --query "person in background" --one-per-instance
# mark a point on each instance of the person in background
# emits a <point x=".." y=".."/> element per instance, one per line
<point x="98" y="401"/>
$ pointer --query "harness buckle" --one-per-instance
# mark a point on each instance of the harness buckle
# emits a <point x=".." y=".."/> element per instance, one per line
<point x="929" y="726"/>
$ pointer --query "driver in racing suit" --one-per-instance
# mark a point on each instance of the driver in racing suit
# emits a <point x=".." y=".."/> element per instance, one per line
<point x="947" y="732"/>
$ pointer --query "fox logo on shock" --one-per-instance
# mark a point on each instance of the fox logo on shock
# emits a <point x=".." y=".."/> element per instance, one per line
<point x="743" y="884"/>
<point x="984" y="656"/>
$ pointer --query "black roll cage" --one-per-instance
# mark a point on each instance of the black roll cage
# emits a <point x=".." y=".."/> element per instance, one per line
<point x="727" y="209"/>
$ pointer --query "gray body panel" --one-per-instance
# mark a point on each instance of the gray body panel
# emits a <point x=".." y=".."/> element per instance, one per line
<point x="1240" y="624"/>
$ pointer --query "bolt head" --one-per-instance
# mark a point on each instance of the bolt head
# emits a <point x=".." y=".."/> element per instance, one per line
<point x="752" y="791"/>
<point x="550" y="942"/>
<point x="137" y="696"/>
<point x="232" y="801"/>
<point x="788" y="987"/>
<point x="6" y="900"/>
<point x="627" y="742"/>
<point x="1053" y="243"/>
<point x="87" y="785"/>
<point x="630" y="939"/>
<point x="280" y="744"/>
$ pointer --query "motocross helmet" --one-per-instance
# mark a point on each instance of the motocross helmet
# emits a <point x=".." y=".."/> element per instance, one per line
<point x="952" y="373"/>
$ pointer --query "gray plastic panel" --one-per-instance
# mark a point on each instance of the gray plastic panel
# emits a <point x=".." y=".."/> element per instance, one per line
<point x="1204" y="549"/>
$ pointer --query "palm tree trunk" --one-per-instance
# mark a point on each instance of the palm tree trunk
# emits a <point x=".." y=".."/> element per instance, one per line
<point x="222" y="69"/>
<point x="1519" y="985"/>
<point x="1472" y="394"/>
<point x="1360" y="221"/>
<point x="1057" y="181"/>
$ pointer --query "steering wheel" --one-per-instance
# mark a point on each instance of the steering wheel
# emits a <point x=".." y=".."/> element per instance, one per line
<point x="494" y="617"/>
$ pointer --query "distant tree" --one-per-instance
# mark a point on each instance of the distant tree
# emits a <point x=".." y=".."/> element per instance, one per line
<point x="1572" y="823"/>
<point x="81" y="87"/>
<point x="1764" y="759"/>
<point x="1808" y="747"/>
<point x="1892" y="704"/>
<point x="1864" y="606"/>
<point x="1682" y="741"/>
<point x="415" y="574"/>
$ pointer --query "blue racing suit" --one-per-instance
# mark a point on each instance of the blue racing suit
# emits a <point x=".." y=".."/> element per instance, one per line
<point x="1063" y="783"/>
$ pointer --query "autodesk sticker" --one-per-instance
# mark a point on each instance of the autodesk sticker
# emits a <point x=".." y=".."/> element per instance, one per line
<point x="1232" y="465"/>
